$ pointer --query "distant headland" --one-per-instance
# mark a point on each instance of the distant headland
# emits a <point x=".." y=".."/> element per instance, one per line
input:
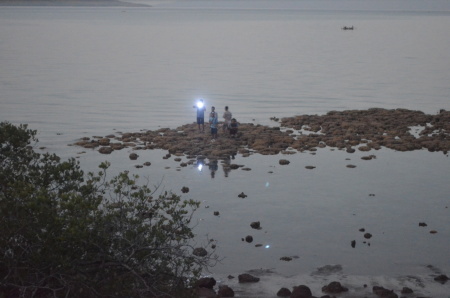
<point x="83" y="3"/>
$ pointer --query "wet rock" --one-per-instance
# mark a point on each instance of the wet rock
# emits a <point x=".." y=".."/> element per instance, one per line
<point x="367" y="235"/>
<point x="384" y="293"/>
<point x="147" y="163"/>
<point x="216" y="213"/>
<point x="206" y="282"/>
<point x="200" y="252"/>
<point x="256" y="225"/>
<point x="310" y="167"/>
<point x="105" y="150"/>
<point x="334" y="287"/>
<point x="242" y="195"/>
<point x="441" y="278"/>
<point x="247" y="278"/>
<point x="353" y="243"/>
<point x="284" y="162"/>
<point x="284" y="292"/>
<point x="301" y="291"/>
<point x="249" y="239"/>
<point x="225" y="291"/>
<point x="104" y="142"/>
<point x="133" y="156"/>
<point x="407" y="290"/>
<point x="185" y="189"/>
<point x="206" y="293"/>
<point x="138" y="166"/>
<point x="422" y="224"/>
<point x="287" y="259"/>
<point x="351" y="166"/>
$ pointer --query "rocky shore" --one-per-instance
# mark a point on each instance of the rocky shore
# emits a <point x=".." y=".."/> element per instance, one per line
<point x="364" y="130"/>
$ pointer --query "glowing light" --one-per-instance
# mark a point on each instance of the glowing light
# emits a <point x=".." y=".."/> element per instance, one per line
<point x="267" y="184"/>
<point x="200" y="167"/>
<point x="267" y="246"/>
<point x="200" y="104"/>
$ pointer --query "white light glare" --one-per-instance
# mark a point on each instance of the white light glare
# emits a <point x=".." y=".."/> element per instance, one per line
<point x="200" y="104"/>
<point x="200" y="167"/>
<point x="267" y="246"/>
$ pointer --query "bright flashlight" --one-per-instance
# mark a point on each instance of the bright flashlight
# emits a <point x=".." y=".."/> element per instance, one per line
<point x="200" y="167"/>
<point x="200" y="104"/>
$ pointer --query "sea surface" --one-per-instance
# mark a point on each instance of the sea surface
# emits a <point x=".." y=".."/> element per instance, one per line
<point x="72" y="72"/>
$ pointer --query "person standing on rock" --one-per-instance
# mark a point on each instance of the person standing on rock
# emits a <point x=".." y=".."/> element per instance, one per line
<point x="227" y="116"/>
<point x="213" y="121"/>
<point x="201" y="108"/>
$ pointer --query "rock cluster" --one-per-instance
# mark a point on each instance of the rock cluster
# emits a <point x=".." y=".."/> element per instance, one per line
<point x="362" y="129"/>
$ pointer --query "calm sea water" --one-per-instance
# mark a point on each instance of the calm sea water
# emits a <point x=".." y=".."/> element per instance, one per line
<point x="82" y="71"/>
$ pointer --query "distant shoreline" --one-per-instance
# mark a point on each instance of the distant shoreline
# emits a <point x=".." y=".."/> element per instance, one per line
<point x="75" y="3"/>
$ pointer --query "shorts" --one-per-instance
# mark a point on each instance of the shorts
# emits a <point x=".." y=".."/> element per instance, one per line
<point x="200" y="120"/>
<point x="213" y="130"/>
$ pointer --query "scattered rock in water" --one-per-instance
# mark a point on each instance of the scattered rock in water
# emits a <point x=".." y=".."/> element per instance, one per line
<point x="350" y="150"/>
<point x="353" y="243"/>
<point x="301" y="291"/>
<point x="147" y="163"/>
<point x="422" y="224"/>
<point x="177" y="159"/>
<point x="334" y="287"/>
<point x="310" y="167"/>
<point x="367" y="235"/>
<point x="247" y="278"/>
<point x="200" y="252"/>
<point x="105" y="150"/>
<point x="433" y="232"/>
<point x="384" y="293"/>
<point x="407" y="290"/>
<point x="287" y="259"/>
<point x="104" y="141"/>
<point x="351" y="166"/>
<point x="258" y="245"/>
<point x="256" y="225"/>
<point x="185" y="189"/>
<point x="216" y="213"/>
<point x="246" y="169"/>
<point x="206" y="282"/>
<point x="138" y="166"/>
<point x="225" y="291"/>
<point x="369" y="157"/>
<point x="441" y="279"/>
<point x="284" y="292"/>
<point x="249" y="239"/>
<point x="284" y="162"/>
<point x="242" y="195"/>
<point x="133" y="156"/>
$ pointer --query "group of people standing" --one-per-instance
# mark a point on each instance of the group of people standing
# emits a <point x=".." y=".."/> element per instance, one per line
<point x="229" y="124"/>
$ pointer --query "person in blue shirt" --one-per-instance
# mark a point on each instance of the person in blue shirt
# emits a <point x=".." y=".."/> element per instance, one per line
<point x="213" y="121"/>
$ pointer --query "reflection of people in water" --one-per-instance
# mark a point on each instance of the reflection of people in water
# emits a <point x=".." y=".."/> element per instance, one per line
<point x="226" y="167"/>
<point x="213" y="167"/>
